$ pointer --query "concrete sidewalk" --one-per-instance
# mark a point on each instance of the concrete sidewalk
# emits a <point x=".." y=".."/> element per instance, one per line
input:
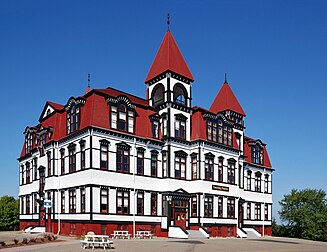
<point x="69" y="244"/>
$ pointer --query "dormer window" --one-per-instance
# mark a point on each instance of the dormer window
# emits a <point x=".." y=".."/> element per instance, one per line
<point x="122" y="118"/>
<point x="218" y="131"/>
<point x="28" y="142"/>
<point x="257" y="154"/>
<point x="155" y="129"/>
<point x="73" y="118"/>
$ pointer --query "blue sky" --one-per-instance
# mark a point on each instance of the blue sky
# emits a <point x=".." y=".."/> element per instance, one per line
<point x="274" y="53"/>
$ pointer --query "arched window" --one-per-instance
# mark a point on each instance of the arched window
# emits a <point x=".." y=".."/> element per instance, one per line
<point x="180" y="95"/>
<point x="158" y="95"/>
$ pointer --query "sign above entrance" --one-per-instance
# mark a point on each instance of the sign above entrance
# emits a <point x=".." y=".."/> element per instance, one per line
<point x="220" y="188"/>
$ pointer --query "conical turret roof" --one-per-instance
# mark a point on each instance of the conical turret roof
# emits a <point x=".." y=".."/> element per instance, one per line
<point x="226" y="100"/>
<point x="170" y="58"/>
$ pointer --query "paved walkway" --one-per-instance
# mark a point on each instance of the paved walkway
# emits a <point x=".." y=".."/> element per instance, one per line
<point x="172" y="245"/>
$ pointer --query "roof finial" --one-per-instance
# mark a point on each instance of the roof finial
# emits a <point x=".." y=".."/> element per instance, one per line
<point x="225" y="78"/>
<point x="168" y="22"/>
<point x="88" y="79"/>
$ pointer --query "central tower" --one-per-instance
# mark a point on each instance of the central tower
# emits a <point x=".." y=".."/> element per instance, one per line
<point x="169" y="89"/>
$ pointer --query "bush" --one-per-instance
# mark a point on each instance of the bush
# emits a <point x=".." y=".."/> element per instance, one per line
<point x="16" y="241"/>
<point x="2" y="243"/>
<point x="32" y="240"/>
<point x="25" y="241"/>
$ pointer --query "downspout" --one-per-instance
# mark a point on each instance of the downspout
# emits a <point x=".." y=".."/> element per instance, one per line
<point x="59" y="173"/>
<point x="135" y="167"/>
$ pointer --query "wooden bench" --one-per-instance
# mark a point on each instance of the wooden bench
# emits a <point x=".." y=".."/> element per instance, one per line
<point x="90" y="240"/>
<point x="120" y="234"/>
<point x="143" y="234"/>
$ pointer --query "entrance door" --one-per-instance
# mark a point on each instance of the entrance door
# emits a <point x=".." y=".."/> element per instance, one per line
<point x="180" y="219"/>
<point x="240" y="215"/>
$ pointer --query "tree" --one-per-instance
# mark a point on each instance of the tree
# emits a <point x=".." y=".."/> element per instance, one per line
<point x="9" y="213"/>
<point x="305" y="213"/>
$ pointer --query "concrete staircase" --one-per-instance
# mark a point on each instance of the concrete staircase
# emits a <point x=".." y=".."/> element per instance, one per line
<point x="196" y="234"/>
<point x="252" y="233"/>
<point x="35" y="230"/>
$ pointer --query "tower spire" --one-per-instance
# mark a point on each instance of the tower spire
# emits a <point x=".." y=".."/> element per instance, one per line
<point x="168" y="22"/>
<point x="88" y="89"/>
<point x="225" y="78"/>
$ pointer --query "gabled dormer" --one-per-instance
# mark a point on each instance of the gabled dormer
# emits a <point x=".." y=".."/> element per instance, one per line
<point x="49" y="109"/>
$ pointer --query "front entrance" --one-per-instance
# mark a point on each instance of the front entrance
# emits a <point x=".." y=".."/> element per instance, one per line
<point x="180" y="219"/>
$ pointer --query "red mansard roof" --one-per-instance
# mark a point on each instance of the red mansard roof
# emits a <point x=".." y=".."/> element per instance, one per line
<point x="226" y="100"/>
<point x="114" y="92"/>
<point x="170" y="58"/>
<point x="247" y="152"/>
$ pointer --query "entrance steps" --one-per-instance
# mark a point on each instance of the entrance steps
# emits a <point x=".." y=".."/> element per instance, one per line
<point x="241" y="233"/>
<point x="252" y="233"/>
<point x="35" y="230"/>
<point x="196" y="234"/>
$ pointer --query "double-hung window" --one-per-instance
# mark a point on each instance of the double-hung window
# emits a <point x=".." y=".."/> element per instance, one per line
<point x="103" y="156"/>
<point x="122" y="158"/>
<point x="140" y="161"/>
<point x="230" y="208"/>
<point x="140" y="203"/>
<point x="220" y="206"/>
<point x="209" y="167"/>
<point x="72" y="201"/>
<point x="220" y="169"/>
<point x="154" y="198"/>
<point x="231" y="172"/>
<point x="180" y="166"/>
<point x="104" y="200"/>
<point x="208" y="206"/>
<point x="122" y="202"/>
<point x="257" y="211"/>
<point x="154" y="163"/>
<point x="194" y="165"/>
<point x="257" y="182"/>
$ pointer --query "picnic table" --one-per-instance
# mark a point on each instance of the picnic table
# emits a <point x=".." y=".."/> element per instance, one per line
<point x="143" y="234"/>
<point x="120" y="234"/>
<point x="90" y="240"/>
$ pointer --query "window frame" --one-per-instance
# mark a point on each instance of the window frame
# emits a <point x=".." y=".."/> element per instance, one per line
<point x="72" y="201"/>
<point x="154" y="203"/>
<point x="154" y="164"/>
<point x="231" y="167"/>
<point x="230" y="208"/>
<point x="180" y="167"/>
<point x="124" y="196"/>
<point x="122" y="160"/>
<point x="140" y="162"/>
<point x="220" y="206"/>
<point x="83" y="199"/>
<point x="209" y="168"/>
<point x="208" y="206"/>
<point x="140" y="203"/>
<point x="104" y="200"/>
